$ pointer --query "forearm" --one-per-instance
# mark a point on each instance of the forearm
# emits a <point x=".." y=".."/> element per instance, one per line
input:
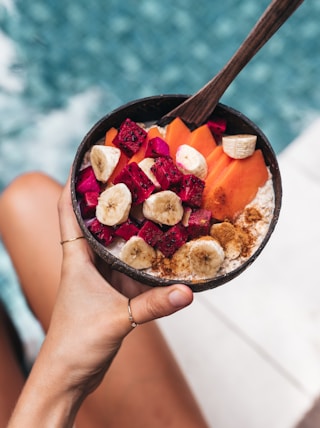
<point x="47" y="400"/>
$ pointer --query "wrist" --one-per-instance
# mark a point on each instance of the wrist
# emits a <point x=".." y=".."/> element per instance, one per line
<point x="49" y="398"/>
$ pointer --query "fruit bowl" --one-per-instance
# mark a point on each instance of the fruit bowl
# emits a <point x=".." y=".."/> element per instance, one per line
<point x="150" y="110"/>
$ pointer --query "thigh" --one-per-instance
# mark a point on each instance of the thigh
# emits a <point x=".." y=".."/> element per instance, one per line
<point x="144" y="388"/>
<point x="29" y="228"/>
<point x="11" y="375"/>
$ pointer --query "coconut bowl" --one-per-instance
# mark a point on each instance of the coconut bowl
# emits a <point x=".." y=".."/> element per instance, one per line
<point x="151" y="109"/>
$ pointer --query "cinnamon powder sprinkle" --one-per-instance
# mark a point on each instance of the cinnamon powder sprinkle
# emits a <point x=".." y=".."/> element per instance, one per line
<point x="252" y="215"/>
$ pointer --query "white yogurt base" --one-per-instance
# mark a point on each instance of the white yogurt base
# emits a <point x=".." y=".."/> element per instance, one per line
<point x="263" y="202"/>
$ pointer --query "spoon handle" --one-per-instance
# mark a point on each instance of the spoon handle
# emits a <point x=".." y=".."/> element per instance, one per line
<point x="196" y="109"/>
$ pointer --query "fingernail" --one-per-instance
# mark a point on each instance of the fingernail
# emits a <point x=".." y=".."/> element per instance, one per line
<point x="178" y="298"/>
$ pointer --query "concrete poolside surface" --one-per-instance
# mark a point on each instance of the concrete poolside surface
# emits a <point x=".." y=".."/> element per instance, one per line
<point x="251" y="348"/>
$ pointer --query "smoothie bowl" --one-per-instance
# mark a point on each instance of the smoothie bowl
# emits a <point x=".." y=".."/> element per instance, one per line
<point x="172" y="204"/>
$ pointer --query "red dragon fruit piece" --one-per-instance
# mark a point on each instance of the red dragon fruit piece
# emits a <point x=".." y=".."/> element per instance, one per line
<point x="86" y="181"/>
<point x="157" y="147"/>
<point x="172" y="240"/>
<point x="150" y="232"/>
<point x="88" y="204"/>
<point x="191" y="190"/>
<point x="218" y="125"/>
<point x="104" y="234"/>
<point x="127" y="230"/>
<point x="130" y="137"/>
<point x="166" y="172"/>
<point x="95" y="226"/>
<point x="137" y="181"/>
<point x="199" y="223"/>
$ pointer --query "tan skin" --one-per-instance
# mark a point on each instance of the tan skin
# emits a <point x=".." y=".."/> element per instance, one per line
<point x="90" y="344"/>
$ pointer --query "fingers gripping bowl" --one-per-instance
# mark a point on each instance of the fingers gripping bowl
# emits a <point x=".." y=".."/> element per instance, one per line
<point x="148" y="111"/>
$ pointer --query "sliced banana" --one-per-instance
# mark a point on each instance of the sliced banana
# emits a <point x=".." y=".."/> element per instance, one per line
<point x="163" y="207"/>
<point x="137" y="253"/>
<point x="180" y="261"/>
<point x="190" y="161"/>
<point x="146" y="165"/>
<point x="114" y="205"/>
<point x="239" y="146"/>
<point x="103" y="160"/>
<point x="205" y="256"/>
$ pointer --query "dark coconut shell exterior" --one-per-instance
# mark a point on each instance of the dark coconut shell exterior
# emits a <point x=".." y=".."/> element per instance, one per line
<point x="151" y="109"/>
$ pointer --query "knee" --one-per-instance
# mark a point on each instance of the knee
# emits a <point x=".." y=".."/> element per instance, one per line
<point x="24" y="184"/>
<point x="26" y="189"/>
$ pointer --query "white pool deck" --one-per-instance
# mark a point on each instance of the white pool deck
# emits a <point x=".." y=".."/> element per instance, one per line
<point x="251" y="348"/>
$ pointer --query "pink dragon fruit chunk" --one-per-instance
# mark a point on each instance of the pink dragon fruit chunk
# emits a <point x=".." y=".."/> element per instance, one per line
<point x="127" y="230"/>
<point x="137" y="181"/>
<point x="95" y="226"/>
<point x="130" y="137"/>
<point x="150" y="232"/>
<point x="199" y="223"/>
<point x="88" y="204"/>
<point x="157" y="147"/>
<point x="166" y="172"/>
<point x="217" y="125"/>
<point x="86" y="181"/>
<point x="191" y="190"/>
<point x="104" y="234"/>
<point x="172" y="240"/>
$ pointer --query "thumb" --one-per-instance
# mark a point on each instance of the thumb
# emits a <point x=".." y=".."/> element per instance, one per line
<point x="159" y="302"/>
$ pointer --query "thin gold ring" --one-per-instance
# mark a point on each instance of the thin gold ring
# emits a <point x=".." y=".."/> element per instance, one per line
<point x="133" y="323"/>
<point x="71" y="239"/>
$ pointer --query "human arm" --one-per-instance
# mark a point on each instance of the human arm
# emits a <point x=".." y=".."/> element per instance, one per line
<point x="89" y="322"/>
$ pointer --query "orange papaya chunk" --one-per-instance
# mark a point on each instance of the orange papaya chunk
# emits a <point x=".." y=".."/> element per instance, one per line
<point x="215" y="171"/>
<point x="110" y="135"/>
<point x="123" y="160"/>
<point x="216" y="160"/>
<point x="139" y="155"/>
<point x="213" y="157"/>
<point x="152" y="133"/>
<point x="236" y="186"/>
<point x="202" y="140"/>
<point x="177" y="133"/>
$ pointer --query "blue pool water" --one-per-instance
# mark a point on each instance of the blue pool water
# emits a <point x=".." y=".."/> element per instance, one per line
<point x="65" y="64"/>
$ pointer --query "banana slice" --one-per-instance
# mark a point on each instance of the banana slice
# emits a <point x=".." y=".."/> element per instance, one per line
<point x="205" y="256"/>
<point x="103" y="160"/>
<point x="146" y="165"/>
<point x="114" y="205"/>
<point x="190" y="161"/>
<point x="137" y="253"/>
<point x="180" y="261"/>
<point x="164" y="207"/>
<point x="239" y="146"/>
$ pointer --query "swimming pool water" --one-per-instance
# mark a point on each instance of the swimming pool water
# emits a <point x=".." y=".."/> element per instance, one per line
<point x="78" y="61"/>
<point x="65" y="64"/>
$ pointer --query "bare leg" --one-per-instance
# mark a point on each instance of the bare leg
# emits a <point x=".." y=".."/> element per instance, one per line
<point x="11" y="376"/>
<point x="144" y="387"/>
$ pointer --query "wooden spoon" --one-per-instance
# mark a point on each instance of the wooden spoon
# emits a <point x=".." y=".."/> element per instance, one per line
<point x="196" y="109"/>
